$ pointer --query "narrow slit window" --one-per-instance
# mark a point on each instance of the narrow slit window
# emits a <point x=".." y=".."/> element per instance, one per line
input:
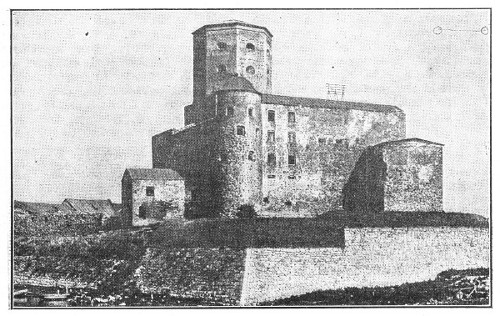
<point x="250" y="112"/>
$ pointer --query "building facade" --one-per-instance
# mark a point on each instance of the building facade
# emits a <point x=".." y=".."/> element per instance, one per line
<point x="243" y="145"/>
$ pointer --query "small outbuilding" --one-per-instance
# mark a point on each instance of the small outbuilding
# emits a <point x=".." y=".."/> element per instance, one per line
<point x="401" y="176"/>
<point x="151" y="195"/>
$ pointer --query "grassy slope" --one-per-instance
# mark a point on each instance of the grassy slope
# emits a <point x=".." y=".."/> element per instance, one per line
<point x="452" y="287"/>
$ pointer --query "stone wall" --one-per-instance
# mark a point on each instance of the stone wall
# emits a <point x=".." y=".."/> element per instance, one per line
<point x="371" y="257"/>
<point x="326" y="143"/>
<point x="400" y="176"/>
<point x="169" y="191"/>
<point x="214" y="276"/>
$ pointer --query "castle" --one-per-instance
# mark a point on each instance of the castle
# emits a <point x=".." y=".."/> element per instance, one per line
<point x="283" y="156"/>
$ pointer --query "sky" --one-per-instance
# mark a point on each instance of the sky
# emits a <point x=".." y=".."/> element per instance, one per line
<point x="90" y="88"/>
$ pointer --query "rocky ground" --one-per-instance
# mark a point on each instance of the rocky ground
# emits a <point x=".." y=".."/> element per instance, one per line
<point x="452" y="287"/>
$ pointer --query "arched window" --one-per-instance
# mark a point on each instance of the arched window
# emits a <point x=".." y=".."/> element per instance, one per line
<point x="222" y="45"/>
<point x="250" y="70"/>
<point x="251" y="46"/>
<point x="250" y="112"/>
<point x="221" y="69"/>
<point x="251" y="156"/>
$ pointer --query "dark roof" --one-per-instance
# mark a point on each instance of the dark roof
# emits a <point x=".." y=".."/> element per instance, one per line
<point x="324" y="103"/>
<point x="231" y="24"/>
<point x="408" y="140"/>
<point x="104" y="207"/>
<point x="236" y="83"/>
<point x="153" y="174"/>
<point x="34" y="207"/>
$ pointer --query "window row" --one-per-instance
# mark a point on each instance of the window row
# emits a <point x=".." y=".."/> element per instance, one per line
<point x="223" y="46"/>
<point x="271" y="116"/>
<point x="271" y="159"/>
<point x="222" y="69"/>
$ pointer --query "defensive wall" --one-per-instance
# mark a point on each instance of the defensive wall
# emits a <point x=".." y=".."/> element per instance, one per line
<point x="240" y="271"/>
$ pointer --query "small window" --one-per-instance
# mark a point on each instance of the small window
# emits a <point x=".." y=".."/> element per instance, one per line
<point x="338" y="141"/>
<point x="142" y="211"/>
<point x="222" y="45"/>
<point x="271" y="159"/>
<point x="268" y="71"/>
<point x="250" y="46"/>
<point x="268" y="52"/>
<point x="291" y="159"/>
<point x="271" y="176"/>
<point x="240" y="130"/>
<point x="257" y="131"/>
<point x="270" y="137"/>
<point x="251" y="156"/>
<point x="291" y="137"/>
<point x="291" y="177"/>
<point x="291" y="117"/>
<point x="150" y="191"/>
<point x="250" y="112"/>
<point x="230" y="111"/>
<point x="270" y="116"/>
<point x="288" y="203"/>
<point x="250" y="70"/>
<point x="266" y="199"/>
<point x="322" y="141"/>
<point x="221" y="69"/>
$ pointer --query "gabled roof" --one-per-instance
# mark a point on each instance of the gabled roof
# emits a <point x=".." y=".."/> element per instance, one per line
<point x="152" y="174"/>
<point x="407" y="140"/>
<point x="324" y="103"/>
<point x="104" y="207"/>
<point x="236" y="83"/>
<point x="232" y="24"/>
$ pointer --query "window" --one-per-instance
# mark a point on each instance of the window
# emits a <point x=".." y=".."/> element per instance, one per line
<point x="271" y="159"/>
<point x="270" y="137"/>
<point x="150" y="191"/>
<point x="291" y="137"/>
<point x="291" y="159"/>
<point x="222" y="45"/>
<point x="240" y="130"/>
<point x="291" y="177"/>
<point x="270" y="116"/>
<point x="266" y="199"/>
<point x="271" y="176"/>
<point x="222" y="158"/>
<point x="251" y="156"/>
<point x="339" y="141"/>
<point x="257" y="131"/>
<point x="229" y="111"/>
<point x="250" y="70"/>
<point x="291" y="117"/>
<point x="221" y="69"/>
<point x="322" y="141"/>
<point x="250" y="112"/>
<point x="268" y="71"/>
<point x="142" y="211"/>
<point x="268" y="52"/>
<point x="250" y="46"/>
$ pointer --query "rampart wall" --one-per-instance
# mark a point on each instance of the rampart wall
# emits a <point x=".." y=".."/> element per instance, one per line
<point x="371" y="257"/>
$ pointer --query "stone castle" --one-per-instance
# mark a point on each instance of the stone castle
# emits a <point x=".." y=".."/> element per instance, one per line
<point x="283" y="156"/>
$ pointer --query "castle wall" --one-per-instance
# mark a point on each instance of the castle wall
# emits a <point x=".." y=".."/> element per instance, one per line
<point x="214" y="160"/>
<point x="371" y="257"/>
<point x="398" y="176"/>
<point x="214" y="275"/>
<point x="414" y="178"/>
<point x="328" y="142"/>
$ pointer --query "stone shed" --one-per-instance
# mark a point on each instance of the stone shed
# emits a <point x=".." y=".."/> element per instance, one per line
<point x="151" y="195"/>
<point x="403" y="175"/>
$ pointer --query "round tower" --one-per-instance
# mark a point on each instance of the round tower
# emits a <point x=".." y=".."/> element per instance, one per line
<point x="240" y="145"/>
<point x="229" y="48"/>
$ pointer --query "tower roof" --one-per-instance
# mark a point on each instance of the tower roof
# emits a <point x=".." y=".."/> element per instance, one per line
<point x="236" y="83"/>
<point x="232" y="23"/>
